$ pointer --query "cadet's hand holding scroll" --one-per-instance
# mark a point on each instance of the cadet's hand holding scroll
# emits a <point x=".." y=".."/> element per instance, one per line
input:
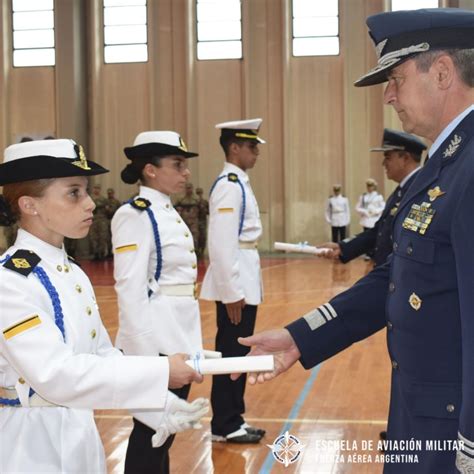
<point x="276" y="342"/>
<point x="180" y="372"/>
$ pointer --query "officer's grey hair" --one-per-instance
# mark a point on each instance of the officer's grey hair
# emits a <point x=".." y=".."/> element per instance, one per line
<point x="463" y="61"/>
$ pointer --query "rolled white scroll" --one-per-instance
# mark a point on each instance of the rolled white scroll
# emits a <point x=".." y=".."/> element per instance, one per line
<point x="232" y="365"/>
<point x="300" y="248"/>
<point x="211" y="354"/>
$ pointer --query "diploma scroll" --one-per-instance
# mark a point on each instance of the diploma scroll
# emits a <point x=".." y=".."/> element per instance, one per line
<point x="232" y="365"/>
<point x="300" y="248"/>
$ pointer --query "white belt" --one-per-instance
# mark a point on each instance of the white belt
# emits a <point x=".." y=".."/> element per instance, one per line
<point x="179" y="290"/>
<point x="35" y="399"/>
<point x="249" y="245"/>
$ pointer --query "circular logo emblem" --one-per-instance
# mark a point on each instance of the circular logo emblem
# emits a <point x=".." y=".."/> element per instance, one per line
<point x="286" y="449"/>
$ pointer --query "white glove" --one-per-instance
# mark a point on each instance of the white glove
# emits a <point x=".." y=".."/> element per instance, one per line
<point x="179" y="416"/>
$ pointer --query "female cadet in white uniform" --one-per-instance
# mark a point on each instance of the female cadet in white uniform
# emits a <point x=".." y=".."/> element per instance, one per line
<point x="155" y="272"/>
<point x="57" y="363"/>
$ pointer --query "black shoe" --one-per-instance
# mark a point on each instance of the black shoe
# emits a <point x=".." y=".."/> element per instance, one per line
<point x="247" y="438"/>
<point x="383" y="437"/>
<point x="256" y="431"/>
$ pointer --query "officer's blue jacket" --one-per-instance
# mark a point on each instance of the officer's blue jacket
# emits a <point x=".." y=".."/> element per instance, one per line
<point x="379" y="238"/>
<point x="424" y="295"/>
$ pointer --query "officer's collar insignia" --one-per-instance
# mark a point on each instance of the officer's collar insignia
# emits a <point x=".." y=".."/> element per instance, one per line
<point x="435" y="193"/>
<point x="232" y="177"/>
<point x="23" y="262"/>
<point x="82" y="163"/>
<point x="140" y="203"/>
<point x="415" y="301"/>
<point x="182" y="145"/>
<point x="452" y="147"/>
<point x="394" y="210"/>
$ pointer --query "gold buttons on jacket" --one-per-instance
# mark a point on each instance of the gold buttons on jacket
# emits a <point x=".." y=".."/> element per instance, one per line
<point x="391" y="287"/>
<point x="59" y="268"/>
<point x="66" y="268"/>
<point x="192" y="250"/>
<point x="194" y="265"/>
<point x="179" y="221"/>
<point x="450" y="408"/>
<point x="93" y="333"/>
<point x="167" y="206"/>
<point x="415" y="301"/>
<point x="21" y="380"/>
<point x="88" y="311"/>
<point x="79" y="288"/>
<point x="394" y="365"/>
<point x="186" y="234"/>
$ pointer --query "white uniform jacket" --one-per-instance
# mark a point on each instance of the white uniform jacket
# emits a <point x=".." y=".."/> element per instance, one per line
<point x="81" y="373"/>
<point x="370" y="207"/>
<point x="234" y="272"/>
<point x="337" y="211"/>
<point x="155" y="323"/>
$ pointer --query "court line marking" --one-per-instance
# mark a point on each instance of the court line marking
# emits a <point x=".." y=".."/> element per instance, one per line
<point x="270" y="459"/>
<point x="305" y="421"/>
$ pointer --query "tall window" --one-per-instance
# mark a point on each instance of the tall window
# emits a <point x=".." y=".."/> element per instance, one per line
<point x="413" y="4"/>
<point x="33" y="33"/>
<point x="219" y="29"/>
<point x="125" y="31"/>
<point x="315" y="28"/>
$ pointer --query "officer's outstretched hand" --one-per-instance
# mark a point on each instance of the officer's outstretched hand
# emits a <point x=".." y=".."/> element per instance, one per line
<point x="179" y="415"/>
<point x="180" y="372"/>
<point x="276" y="342"/>
<point x="234" y="311"/>
<point x="333" y="250"/>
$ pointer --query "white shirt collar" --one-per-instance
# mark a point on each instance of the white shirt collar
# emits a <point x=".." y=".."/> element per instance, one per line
<point x="445" y="133"/>
<point x="155" y="196"/>
<point x="46" y="251"/>
<point x="408" y="176"/>
<point x="231" y="168"/>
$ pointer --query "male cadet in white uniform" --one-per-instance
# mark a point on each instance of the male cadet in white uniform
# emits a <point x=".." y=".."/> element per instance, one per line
<point x="370" y="205"/>
<point x="338" y="214"/>
<point x="233" y="279"/>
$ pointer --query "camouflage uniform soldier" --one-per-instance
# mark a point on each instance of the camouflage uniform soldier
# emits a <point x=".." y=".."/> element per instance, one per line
<point x="188" y="208"/>
<point x="203" y="213"/>
<point x="100" y="227"/>
<point x="110" y="208"/>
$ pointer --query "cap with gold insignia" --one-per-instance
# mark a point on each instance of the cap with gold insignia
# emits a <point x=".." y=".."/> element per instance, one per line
<point x="158" y="143"/>
<point x="396" y="140"/>
<point x="43" y="159"/>
<point x="400" y="35"/>
<point x="243" y="129"/>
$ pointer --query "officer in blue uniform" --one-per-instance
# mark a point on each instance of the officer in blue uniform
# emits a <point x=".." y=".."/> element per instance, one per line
<point x="424" y="294"/>
<point x="402" y="157"/>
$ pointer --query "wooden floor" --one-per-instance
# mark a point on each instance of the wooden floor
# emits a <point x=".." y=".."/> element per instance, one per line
<point x="335" y="410"/>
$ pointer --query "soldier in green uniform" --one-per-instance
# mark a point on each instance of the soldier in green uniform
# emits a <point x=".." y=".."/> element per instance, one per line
<point x="100" y="227"/>
<point x="188" y="208"/>
<point x="110" y="208"/>
<point x="203" y="213"/>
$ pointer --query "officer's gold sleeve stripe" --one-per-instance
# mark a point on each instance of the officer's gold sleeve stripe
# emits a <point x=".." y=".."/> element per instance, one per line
<point x="225" y="209"/>
<point x="21" y="327"/>
<point x="126" y="248"/>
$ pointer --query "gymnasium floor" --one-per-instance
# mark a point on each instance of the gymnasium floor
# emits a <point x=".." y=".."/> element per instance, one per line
<point x="335" y="410"/>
